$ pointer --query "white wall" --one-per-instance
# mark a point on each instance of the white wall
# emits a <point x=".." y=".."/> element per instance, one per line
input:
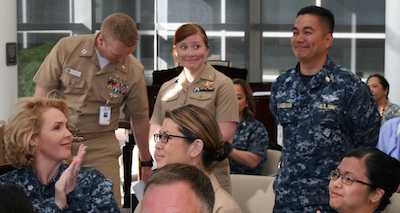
<point x="392" y="49"/>
<point x="8" y="74"/>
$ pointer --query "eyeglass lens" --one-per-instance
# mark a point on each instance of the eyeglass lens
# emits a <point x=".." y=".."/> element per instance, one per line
<point x="346" y="178"/>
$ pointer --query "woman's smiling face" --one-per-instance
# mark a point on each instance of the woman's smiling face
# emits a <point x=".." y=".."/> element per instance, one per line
<point x="192" y="52"/>
<point x="175" y="150"/>
<point x="354" y="197"/>
<point x="54" y="139"/>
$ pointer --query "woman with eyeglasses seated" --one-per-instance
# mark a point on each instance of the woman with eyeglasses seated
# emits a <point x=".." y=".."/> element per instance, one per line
<point x="364" y="181"/>
<point x="190" y="135"/>
<point x="37" y="143"/>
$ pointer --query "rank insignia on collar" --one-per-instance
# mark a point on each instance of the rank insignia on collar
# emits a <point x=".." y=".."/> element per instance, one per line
<point x="327" y="79"/>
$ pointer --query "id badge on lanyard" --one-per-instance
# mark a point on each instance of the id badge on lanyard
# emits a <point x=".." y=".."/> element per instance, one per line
<point x="279" y="136"/>
<point x="105" y="114"/>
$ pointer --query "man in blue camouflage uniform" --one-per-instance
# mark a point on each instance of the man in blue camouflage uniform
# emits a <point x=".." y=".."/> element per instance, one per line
<point x="322" y="111"/>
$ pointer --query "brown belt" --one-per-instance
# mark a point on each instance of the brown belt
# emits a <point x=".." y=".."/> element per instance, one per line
<point x="89" y="136"/>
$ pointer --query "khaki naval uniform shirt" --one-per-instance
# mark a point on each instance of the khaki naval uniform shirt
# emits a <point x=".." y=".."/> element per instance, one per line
<point x="212" y="90"/>
<point x="72" y="67"/>
<point x="224" y="202"/>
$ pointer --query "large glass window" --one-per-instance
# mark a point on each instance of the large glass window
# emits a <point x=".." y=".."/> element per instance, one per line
<point x="251" y="34"/>
<point x="225" y="22"/>
<point x="359" y="35"/>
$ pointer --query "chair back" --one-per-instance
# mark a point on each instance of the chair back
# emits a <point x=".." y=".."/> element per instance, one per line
<point x="225" y="63"/>
<point x="232" y="72"/>
<point x="253" y="193"/>
<point x="394" y="206"/>
<point x="161" y="76"/>
<point x="2" y="148"/>
<point x="6" y="167"/>
<point x="271" y="165"/>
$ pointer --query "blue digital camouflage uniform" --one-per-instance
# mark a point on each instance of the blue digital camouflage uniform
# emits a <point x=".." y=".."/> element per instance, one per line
<point x="251" y="136"/>
<point x="93" y="192"/>
<point x="322" y="121"/>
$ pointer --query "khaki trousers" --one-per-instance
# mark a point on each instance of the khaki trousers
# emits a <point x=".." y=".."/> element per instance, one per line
<point x="102" y="153"/>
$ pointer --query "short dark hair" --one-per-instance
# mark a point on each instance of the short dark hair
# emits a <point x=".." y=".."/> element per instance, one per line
<point x="177" y="172"/>
<point x="383" y="81"/>
<point x="326" y="16"/>
<point x="382" y="170"/>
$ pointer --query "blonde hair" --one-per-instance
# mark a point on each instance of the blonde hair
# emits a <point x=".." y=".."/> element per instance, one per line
<point x="121" y="27"/>
<point x="24" y="123"/>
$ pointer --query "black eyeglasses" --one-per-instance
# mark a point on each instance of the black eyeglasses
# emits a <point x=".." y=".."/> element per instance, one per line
<point x="165" y="137"/>
<point x="346" y="178"/>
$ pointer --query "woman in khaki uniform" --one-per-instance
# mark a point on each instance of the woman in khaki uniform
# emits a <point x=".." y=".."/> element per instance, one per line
<point x="201" y="85"/>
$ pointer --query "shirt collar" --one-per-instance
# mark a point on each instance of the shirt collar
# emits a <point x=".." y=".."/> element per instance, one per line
<point x="323" y="76"/>
<point x="207" y="74"/>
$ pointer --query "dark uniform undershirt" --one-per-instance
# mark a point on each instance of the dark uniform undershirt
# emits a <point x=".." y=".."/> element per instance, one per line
<point x="305" y="78"/>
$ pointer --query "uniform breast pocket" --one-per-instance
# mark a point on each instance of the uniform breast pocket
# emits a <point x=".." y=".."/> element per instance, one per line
<point x="287" y="116"/>
<point x="328" y="115"/>
<point x="202" y="96"/>
<point x="327" y="124"/>
<point x="171" y="95"/>
<point x="112" y="98"/>
<point x="72" y="84"/>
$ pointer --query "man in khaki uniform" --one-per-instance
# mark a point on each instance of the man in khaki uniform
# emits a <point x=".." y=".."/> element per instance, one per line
<point x="97" y="74"/>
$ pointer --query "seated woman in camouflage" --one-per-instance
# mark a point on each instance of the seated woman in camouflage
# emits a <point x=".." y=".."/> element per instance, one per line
<point x="37" y="143"/>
